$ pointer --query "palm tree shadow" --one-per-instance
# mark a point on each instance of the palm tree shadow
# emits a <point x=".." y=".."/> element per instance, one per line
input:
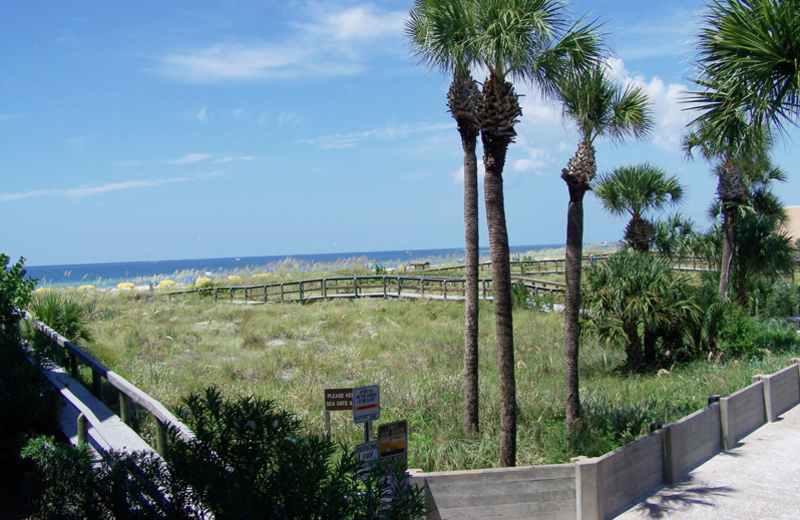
<point x="684" y="497"/>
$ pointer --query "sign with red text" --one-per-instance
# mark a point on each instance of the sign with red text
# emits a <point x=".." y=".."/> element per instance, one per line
<point x="366" y="404"/>
<point x="338" y="399"/>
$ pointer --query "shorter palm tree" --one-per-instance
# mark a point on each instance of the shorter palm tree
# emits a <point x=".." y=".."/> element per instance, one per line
<point x="635" y="190"/>
<point x="636" y="299"/>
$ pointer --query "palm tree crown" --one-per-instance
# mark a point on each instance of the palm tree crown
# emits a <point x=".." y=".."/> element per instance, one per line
<point x="748" y="60"/>
<point x="636" y="190"/>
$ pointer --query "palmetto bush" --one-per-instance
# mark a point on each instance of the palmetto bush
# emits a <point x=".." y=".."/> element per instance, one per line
<point x="66" y="313"/>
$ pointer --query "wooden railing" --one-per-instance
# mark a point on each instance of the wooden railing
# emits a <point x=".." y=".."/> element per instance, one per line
<point x="128" y="393"/>
<point x="371" y="286"/>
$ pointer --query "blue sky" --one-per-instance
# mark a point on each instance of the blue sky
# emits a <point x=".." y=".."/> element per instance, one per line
<point x="168" y="130"/>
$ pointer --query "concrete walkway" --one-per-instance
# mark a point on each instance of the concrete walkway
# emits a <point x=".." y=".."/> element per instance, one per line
<point x="758" y="479"/>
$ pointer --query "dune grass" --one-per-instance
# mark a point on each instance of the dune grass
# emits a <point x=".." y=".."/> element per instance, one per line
<point x="413" y="349"/>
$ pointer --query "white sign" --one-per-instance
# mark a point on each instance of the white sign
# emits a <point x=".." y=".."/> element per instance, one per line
<point x="366" y="404"/>
<point x="367" y="455"/>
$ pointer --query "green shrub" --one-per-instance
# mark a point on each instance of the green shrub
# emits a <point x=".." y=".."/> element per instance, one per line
<point x="248" y="461"/>
<point x="519" y="295"/>
<point x="744" y="335"/>
<point x="67" y="314"/>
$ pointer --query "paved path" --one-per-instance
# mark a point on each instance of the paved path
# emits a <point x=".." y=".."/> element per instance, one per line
<point x="758" y="479"/>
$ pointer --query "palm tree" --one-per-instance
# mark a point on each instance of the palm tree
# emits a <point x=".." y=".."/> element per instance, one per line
<point x="634" y="298"/>
<point x="748" y="51"/>
<point x="636" y="190"/>
<point x="441" y="32"/>
<point x="729" y="143"/>
<point x="531" y="40"/>
<point x="762" y="250"/>
<point x="598" y="108"/>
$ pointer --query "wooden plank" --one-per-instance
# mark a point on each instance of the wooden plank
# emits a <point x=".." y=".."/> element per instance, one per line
<point x="107" y="430"/>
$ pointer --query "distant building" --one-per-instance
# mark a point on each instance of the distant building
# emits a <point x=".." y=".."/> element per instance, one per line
<point x="793" y="224"/>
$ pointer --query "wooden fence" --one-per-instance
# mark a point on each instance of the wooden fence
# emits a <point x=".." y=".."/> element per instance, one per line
<point x="93" y="414"/>
<point x="371" y="286"/>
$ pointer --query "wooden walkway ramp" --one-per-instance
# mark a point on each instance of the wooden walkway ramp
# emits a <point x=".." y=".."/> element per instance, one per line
<point x="84" y="417"/>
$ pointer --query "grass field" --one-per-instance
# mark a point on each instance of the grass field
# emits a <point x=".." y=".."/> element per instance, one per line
<point x="413" y="350"/>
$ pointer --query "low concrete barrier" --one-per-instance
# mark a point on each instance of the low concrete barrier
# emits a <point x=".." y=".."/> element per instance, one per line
<point x="604" y="487"/>
<point x="546" y="492"/>
<point x="691" y="441"/>
<point x="741" y="413"/>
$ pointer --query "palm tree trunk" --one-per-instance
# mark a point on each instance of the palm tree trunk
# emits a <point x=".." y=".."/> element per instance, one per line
<point x="462" y="100"/>
<point x="471" y="409"/>
<point x="727" y="253"/>
<point x="495" y="148"/>
<point x="633" y="346"/>
<point x="572" y="301"/>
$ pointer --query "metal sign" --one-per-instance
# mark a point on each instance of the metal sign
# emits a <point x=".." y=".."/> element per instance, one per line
<point x="366" y="404"/>
<point x="393" y="439"/>
<point x="367" y="455"/>
<point x="338" y="399"/>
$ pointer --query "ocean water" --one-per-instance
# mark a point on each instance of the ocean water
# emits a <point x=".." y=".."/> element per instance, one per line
<point x="104" y="275"/>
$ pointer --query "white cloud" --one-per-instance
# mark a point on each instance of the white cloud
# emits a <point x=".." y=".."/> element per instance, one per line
<point x="361" y="23"/>
<point x="230" y="158"/>
<point x="332" y="42"/>
<point x="670" y="113"/>
<point x="537" y="159"/>
<point x="88" y="190"/>
<point x="389" y="132"/>
<point x="201" y="115"/>
<point x="191" y="158"/>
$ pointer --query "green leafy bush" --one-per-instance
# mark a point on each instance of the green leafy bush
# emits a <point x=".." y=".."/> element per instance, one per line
<point x="67" y="314"/>
<point x="745" y="335"/>
<point x="247" y="461"/>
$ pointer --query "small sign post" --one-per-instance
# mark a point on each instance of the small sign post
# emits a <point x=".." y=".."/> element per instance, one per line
<point x="336" y="399"/>
<point x="393" y="439"/>
<point x="368" y="456"/>
<point x="366" y="406"/>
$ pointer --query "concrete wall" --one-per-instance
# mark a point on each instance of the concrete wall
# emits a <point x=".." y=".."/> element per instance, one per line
<point x="630" y="472"/>
<point x="741" y="413"/>
<point x="691" y="441"/>
<point x="784" y="389"/>
<point x="601" y="488"/>
<point x="546" y="492"/>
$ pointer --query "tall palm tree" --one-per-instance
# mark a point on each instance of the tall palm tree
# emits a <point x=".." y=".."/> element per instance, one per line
<point x="442" y="32"/>
<point x="598" y="108"/>
<point x="529" y="40"/>
<point x="748" y="49"/>
<point x="729" y="143"/>
<point x="635" y="190"/>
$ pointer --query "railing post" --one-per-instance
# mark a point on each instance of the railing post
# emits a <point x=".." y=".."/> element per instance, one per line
<point x="398" y="287"/>
<point x="325" y="288"/>
<point x="73" y="366"/>
<point x="281" y="292"/>
<point x="231" y="291"/>
<point x="355" y="286"/>
<point x="97" y="384"/>
<point x="444" y="289"/>
<point x="265" y="293"/>
<point x="215" y="294"/>
<point x="384" y="286"/>
<point x="422" y="287"/>
<point x="125" y="408"/>
<point x="300" y="288"/>
<point x="83" y="430"/>
<point x="161" y="438"/>
<point x="245" y="293"/>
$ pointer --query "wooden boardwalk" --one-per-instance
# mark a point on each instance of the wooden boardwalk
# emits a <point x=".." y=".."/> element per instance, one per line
<point x="370" y="286"/>
<point x="85" y="418"/>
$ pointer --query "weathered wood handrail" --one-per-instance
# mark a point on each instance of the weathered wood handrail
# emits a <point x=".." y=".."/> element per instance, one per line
<point x="127" y="391"/>
<point x="373" y="286"/>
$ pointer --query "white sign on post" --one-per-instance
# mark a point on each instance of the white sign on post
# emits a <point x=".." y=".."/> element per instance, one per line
<point x="366" y="404"/>
<point x="367" y="455"/>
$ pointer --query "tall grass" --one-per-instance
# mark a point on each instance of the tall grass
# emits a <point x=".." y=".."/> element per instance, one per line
<point x="413" y="350"/>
